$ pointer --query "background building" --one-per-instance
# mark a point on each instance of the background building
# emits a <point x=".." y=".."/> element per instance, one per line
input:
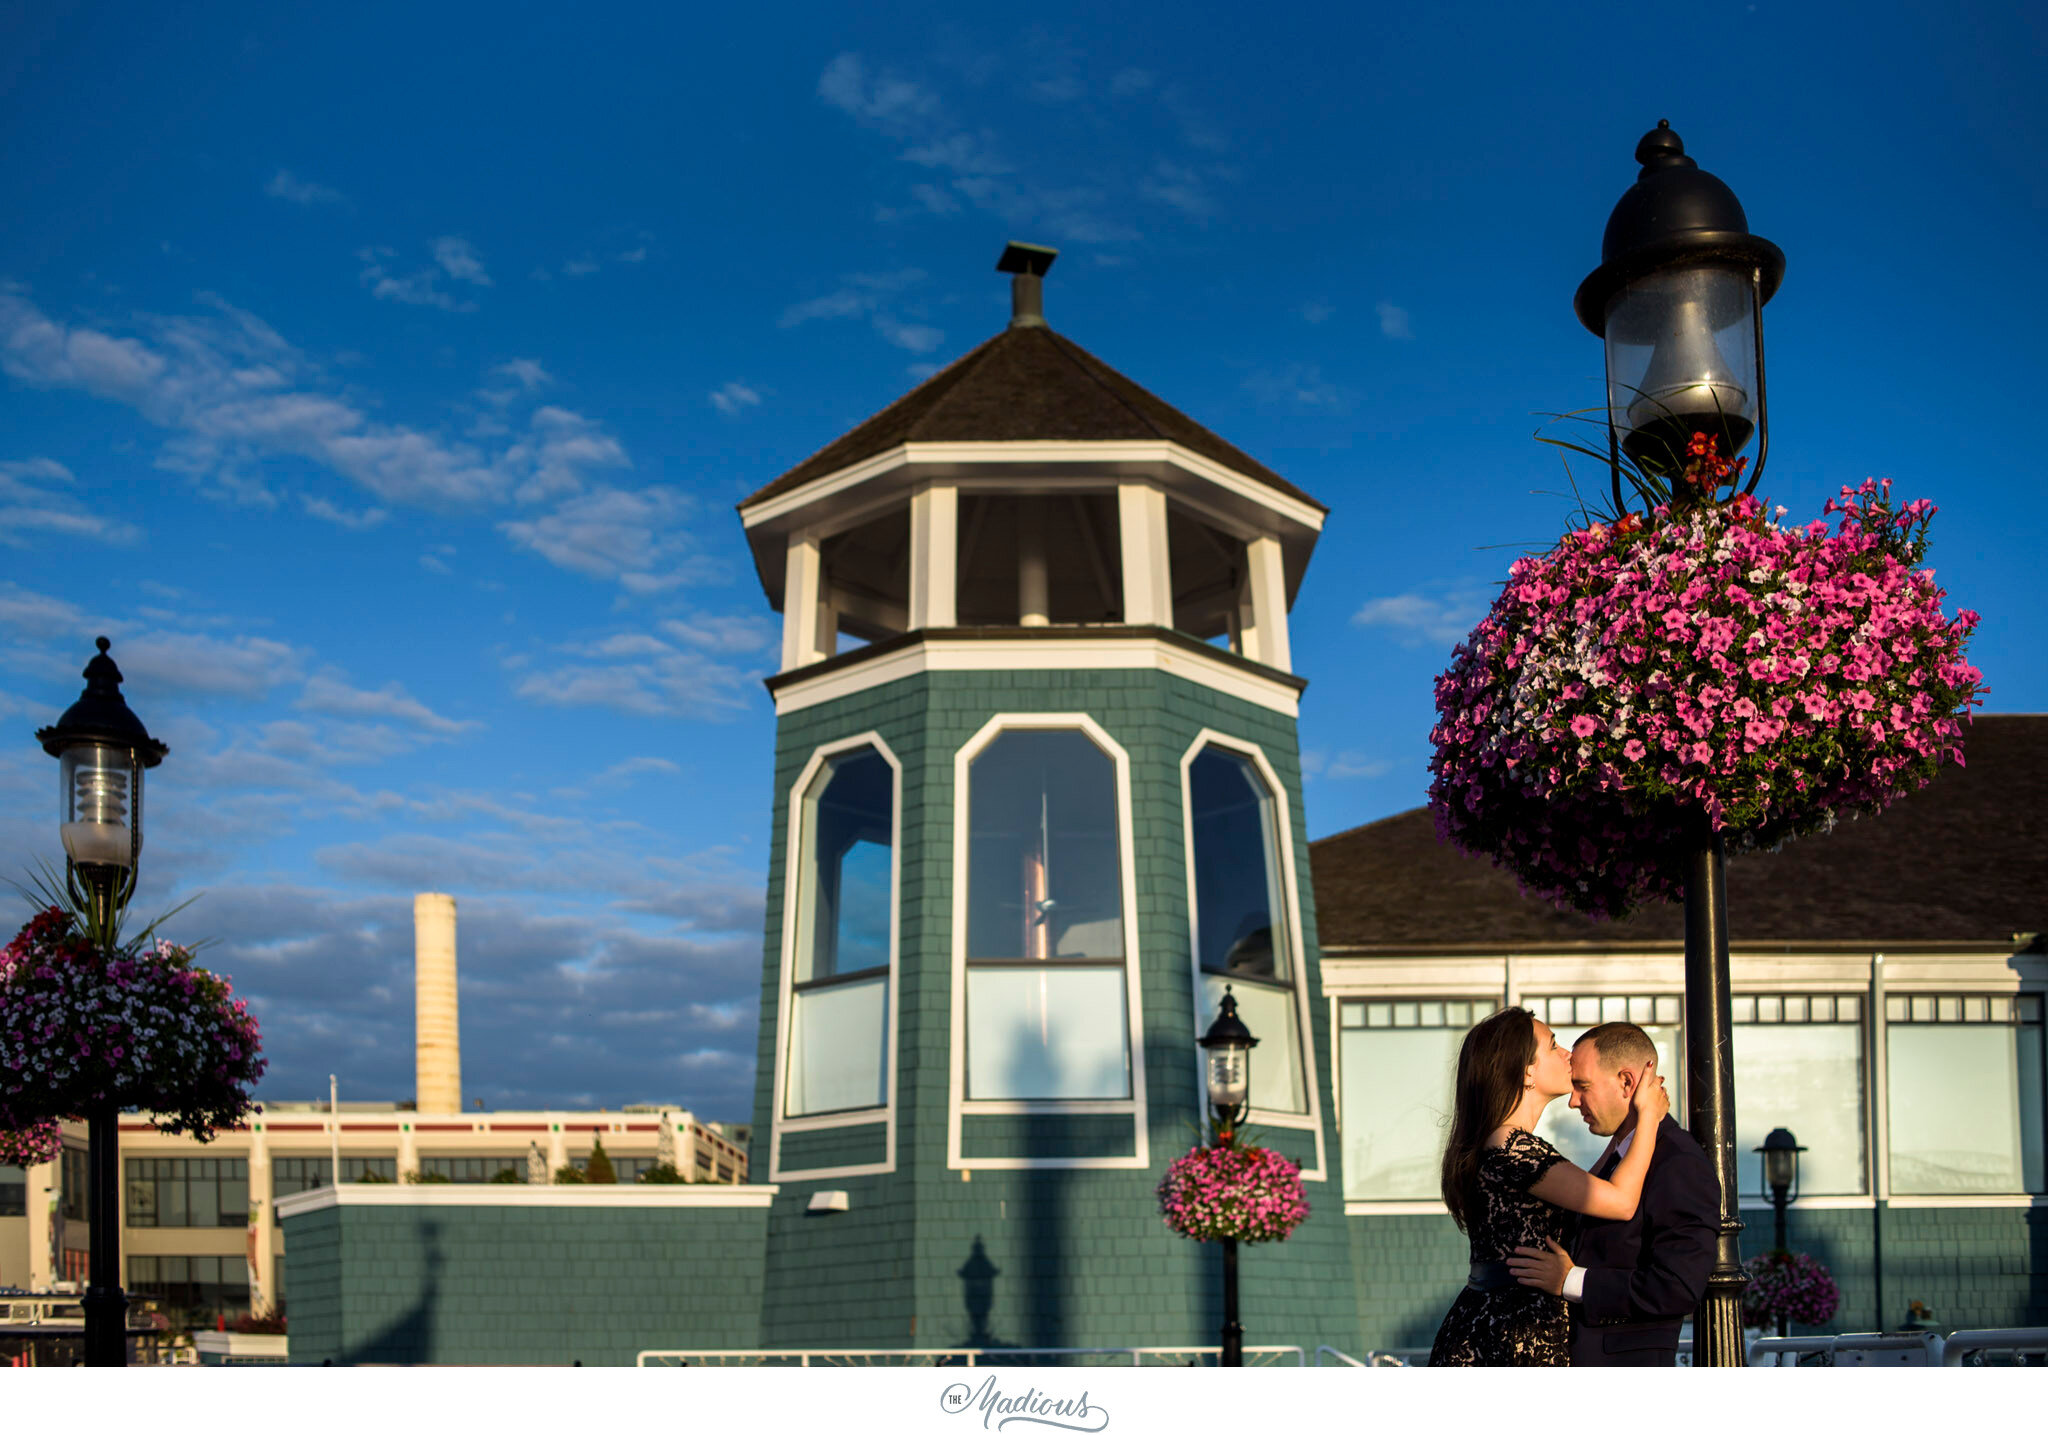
<point x="1889" y="982"/>
<point x="200" y="1233"/>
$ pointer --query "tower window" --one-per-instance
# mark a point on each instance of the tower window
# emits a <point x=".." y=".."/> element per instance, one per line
<point x="845" y="917"/>
<point x="1046" y="987"/>
<point x="1241" y="918"/>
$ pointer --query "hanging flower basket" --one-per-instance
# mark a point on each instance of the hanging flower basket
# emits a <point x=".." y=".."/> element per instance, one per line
<point x="34" y="1144"/>
<point x="1233" y="1191"/>
<point x="1791" y="1284"/>
<point x="140" y="1028"/>
<point x="1650" y="680"/>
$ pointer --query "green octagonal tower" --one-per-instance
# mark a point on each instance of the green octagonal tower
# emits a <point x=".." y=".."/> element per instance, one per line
<point x="1037" y="800"/>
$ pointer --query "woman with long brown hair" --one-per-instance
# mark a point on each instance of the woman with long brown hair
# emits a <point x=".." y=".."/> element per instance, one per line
<point x="1508" y="1187"/>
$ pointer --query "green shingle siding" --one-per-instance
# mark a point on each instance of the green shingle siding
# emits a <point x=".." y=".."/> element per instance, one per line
<point x="1061" y="1257"/>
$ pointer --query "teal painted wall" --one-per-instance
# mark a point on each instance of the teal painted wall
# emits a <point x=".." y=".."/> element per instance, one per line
<point x="1037" y="1258"/>
<point x="1973" y="1268"/>
<point x="468" y="1285"/>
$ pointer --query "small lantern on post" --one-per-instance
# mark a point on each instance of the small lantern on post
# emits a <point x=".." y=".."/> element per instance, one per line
<point x="1229" y="1044"/>
<point x="102" y="751"/>
<point x="1679" y="299"/>
<point x="1781" y="1174"/>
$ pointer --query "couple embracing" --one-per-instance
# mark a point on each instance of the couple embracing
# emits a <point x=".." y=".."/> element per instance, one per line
<point x="1571" y="1267"/>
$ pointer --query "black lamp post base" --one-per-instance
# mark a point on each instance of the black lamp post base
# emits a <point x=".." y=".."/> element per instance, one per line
<point x="1717" y="1324"/>
<point x="106" y="1325"/>
<point x="1233" y="1332"/>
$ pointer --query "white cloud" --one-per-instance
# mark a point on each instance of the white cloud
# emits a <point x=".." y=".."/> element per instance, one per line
<point x="742" y="633"/>
<point x="635" y="538"/>
<point x="458" y="257"/>
<point x="527" y="372"/>
<point x="877" y="99"/>
<point x="733" y="397"/>
<point x="421" y="287"/>
<point x="871" y="296"/>
<point x="233" y="394"/>
<point x="918" y="338"/>
<point x="646" y="678"/>
<point x="1299" y="386"/>
<point x="287" y="186"/>
<point x="1394" y="321"/>
<point x="36" y="504"/>
<point x="626" y="769"/>
<point x="356" y="521"/>
<point x="1179" y="187"/>
<point x="1318" y="311"/>
<point x="242" y="666"/>
<point x="633" y="256"/>
<point x="1414" y="618"/>
<point x="1130" y="82"/>
<point x="577" y="268"/>
<point x="325" y="693"/>
<point x="1344" y="765"/>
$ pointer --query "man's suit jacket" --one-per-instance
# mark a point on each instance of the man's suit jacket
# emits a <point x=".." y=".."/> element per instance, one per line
<point x="1645" y="1275"/>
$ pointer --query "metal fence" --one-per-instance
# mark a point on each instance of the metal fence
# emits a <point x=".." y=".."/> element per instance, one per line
<point x="976" y="1357"/>
<point x="2024" y="1346"/>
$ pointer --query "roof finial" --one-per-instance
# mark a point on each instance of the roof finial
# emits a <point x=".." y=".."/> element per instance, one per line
<point x="1026" y="265"/>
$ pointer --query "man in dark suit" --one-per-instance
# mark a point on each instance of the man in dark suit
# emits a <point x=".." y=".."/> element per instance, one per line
<point x="1631" y="1283"/>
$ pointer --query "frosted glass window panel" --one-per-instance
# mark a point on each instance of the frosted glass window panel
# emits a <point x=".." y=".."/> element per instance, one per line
<point x="838" y="1047"/>
<point x="1239" y="900"/>
<point x="1809" y="1080"/>
<point x="1965" y="1109"/>
<point x="844" y="881"/>
<point x="1397" y="1106"/>
<point x="1047" y="1033"/>
<point x="1563" y="1128"/>
<point x="1044" y="875"/>
<point x="1269" y="1014"/>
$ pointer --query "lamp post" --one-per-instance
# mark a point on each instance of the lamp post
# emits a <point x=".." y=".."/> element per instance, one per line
<point x="1781" y="1173"/>
<point x="1679" y="299"/>
<point x="102" y="750"/>
<point x="1229" y="1044"/>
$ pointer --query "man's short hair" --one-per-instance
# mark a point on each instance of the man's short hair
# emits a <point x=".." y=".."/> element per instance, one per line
<point x="1620" y="1044"/>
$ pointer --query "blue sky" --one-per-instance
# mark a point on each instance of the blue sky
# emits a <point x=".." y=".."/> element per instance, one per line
<point x="382" y="381"/>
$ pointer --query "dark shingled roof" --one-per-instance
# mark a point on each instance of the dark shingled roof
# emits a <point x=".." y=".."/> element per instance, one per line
<point x="1026" y="383"/>
<point x="1965" y="859"/>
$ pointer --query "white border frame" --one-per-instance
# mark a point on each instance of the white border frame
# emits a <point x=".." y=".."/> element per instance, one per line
<point x="785" y="1000"/>
<point x="1298" y="946"/>
<point x="1135" y="1106"/>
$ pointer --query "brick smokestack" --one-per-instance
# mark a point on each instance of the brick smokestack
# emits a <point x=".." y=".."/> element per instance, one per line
<point x="437" y="1040"/>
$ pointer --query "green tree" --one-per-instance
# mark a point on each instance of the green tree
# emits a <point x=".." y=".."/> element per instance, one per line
<point x="598" y="1170"/>
<point x="664" y="1174"/>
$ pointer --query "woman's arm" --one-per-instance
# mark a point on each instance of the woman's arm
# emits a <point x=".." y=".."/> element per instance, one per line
<point x="1615" y="1198"/>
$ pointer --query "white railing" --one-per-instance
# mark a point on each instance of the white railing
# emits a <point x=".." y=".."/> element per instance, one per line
<point x="1339" y="1357"/>
<point x="1873" y="1348"/>
<point x="1958" y="1348"/>
<point x="976" y="1356"/>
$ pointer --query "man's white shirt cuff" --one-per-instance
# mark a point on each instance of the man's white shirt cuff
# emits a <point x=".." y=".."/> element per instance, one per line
<point x="1575" y="1283"/>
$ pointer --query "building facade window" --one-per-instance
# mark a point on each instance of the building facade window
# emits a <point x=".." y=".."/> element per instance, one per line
<point x="1397" y="1061"/>
<point x="844" y="893"/>
<point x="1241" y="928"/>
<point x="197" y="1285"/>
<point x="1964" y="1094"/>
<point x="1047" y="1013"/>
<point x="474" y="1170"/>
<point x="1799" y="1065"/>
<point x="1571" y="1017"/>
<point x="188" y="1191"/>
<point x="13" y="1191"/>
<point x="76" y="1200"/>
<point x="290" y="1175"/>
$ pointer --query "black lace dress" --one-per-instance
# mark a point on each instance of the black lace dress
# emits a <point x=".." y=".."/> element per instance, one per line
<point x="1517" y="1325"/>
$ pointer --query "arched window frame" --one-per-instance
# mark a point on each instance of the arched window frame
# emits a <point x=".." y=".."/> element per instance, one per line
<point x="1283" y="824"/>
<point x="1135" y="1105"/>
<point x="793" y="866"/>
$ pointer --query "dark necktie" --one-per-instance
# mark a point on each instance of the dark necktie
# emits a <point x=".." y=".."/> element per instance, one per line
<point x="1606" y="1171"/>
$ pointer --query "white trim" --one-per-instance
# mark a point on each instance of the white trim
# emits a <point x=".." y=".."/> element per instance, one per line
<point x="551" y="1197"/>
<point x="1966" y="1203"/>
<point x="1265" y="639"/>
<point x="934" y="556"/>
<point x="958" y="1107"/>
<point x="1116" y="454"/>
<point x="1297" y="946"/>
<point x="1125" y="1107"/>
<point x="1147" y="561"/>
<point x="1081" y="652"/>
<point x="793" y="836"/>
<point x="1811" y="1203"/>
<point x="803" y="584"/>
<point x="1396" y="1208"/>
